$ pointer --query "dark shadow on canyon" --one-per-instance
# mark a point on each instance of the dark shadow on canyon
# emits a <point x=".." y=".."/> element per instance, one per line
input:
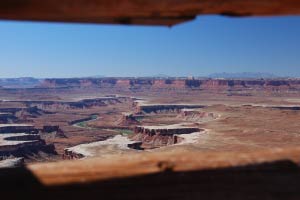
<point x="277" y="180"/>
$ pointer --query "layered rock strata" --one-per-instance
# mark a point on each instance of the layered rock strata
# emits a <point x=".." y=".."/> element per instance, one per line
<point x="17" y="128"/>
<point x="161" y="108"/>
<point x="21" y="140"/>
<point x="80" y="104"/>
<point x="197" y="115"/>
<point x="175" y="83"/>
<point x="20" y="114"/>
<point x="49" y="131"/>
<point x="159" y="136"/>
<point x="128" y="119"/>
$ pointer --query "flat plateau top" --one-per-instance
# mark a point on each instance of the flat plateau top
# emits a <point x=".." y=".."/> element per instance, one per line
<point x="15" y="125"/>
<point x="173" y="126"/>
<point x="144" y="12"/>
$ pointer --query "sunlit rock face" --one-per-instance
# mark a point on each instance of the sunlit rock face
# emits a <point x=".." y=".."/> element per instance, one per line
<point x="173" y="83"/>
<point x="159" y="136"/>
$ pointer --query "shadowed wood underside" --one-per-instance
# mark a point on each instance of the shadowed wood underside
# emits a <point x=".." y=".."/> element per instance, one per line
<point x="269" y="174"/>
<point x="144" y="12"/>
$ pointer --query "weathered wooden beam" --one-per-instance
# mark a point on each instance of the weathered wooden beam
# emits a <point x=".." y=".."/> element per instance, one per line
<point x="99" y="169"/>
<point x="268" y="174"/>
<point x="147" y="12"/>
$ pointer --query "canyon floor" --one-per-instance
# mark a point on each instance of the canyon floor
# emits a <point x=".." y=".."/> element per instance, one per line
<point x="230" y="137"/>
<point x="96" y="122"/>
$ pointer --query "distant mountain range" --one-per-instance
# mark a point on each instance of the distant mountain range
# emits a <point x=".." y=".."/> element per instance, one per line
<point x="242" y="75"/>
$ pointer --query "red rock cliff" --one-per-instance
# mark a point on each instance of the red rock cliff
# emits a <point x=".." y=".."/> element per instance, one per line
<point x="173" y="83"/>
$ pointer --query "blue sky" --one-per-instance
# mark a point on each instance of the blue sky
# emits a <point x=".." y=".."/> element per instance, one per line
<point x="207" y="45"/>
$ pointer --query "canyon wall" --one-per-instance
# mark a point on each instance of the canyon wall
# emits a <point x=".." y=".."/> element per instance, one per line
<point x="128" y="119"/>
<point x="17" y="128"/>
<point x="173" y="83"/>
<point x="159" y="136"/>
<point x="22" y="140"/>
<point x="40" y="107"/>
<point x="196" y="115"/>
<point x="161" y="108"/>
<point x="20" y="114"/>
<point x="26" y="148"/>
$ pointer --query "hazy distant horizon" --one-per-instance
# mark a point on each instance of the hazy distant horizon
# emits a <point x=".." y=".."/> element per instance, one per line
<point x="213" y="75"/>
